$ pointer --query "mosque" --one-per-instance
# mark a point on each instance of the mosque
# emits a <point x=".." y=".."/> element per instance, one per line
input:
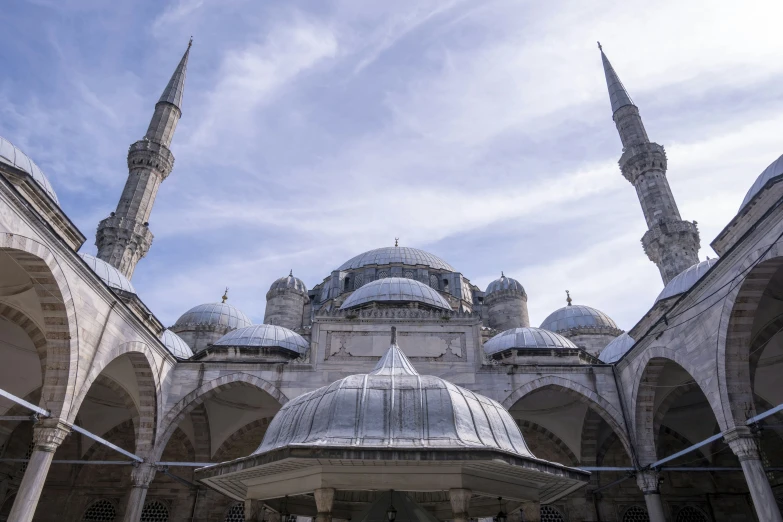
<point x="393" y="389"/>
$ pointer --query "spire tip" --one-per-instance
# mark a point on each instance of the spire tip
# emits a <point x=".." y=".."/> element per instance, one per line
<point x="568" y="298"/>
<point x="225" y="295"/>
<point x="190" y="42"/>
<point x="600" y="48"/>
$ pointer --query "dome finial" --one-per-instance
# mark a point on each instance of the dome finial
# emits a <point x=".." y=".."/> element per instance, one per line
<point x="568" y="297"/>
<point x="502" y="274"/>
<point x="393" y="335"/>
<point x="396" y="241"/>
<point x="599" y="47"/>
<point x="291" y="273"/>
<point x="225" y="295"/>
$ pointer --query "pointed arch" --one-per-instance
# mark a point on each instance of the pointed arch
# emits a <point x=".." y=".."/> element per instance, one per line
<point x="557" y="441"/>
<point x="240" y="434"/>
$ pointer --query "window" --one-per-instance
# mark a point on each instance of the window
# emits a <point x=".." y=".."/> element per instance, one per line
<point x="409" y="274"/>
<point x="691" y="514"/>
<point x="100" y="511"/>
<point x="154" y="511"/>
<point x="383" y="274"/>
<point x="27" y="456"/>
<point x="636" y="514"/>
<point x="358" y="281"/>
<point x="551" y="514"/>
<point x="434" y="281"/>
<point x="347" y="285"/>
<point x="236" y="513"/>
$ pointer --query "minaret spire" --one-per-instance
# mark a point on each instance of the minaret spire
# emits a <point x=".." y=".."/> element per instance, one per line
<point x="670" y="242"/>
<point x="124" y="237"/>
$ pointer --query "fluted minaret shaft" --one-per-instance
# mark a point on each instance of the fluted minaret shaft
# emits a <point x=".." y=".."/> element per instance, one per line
<point x="124" y="237"/>
<point x="671" y="243"/>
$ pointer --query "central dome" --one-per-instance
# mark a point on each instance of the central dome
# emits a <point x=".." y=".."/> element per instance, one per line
<point x="397" y="255"/>
<point x="395" y="290"/>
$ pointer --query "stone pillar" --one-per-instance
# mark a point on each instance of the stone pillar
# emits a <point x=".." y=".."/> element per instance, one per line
<point x="254" y="510"/>
<point x="531" y="511"/>
<point x="460" y="501"/>
<point x="141" y="476"/>
<point x="48" y="434"/>
<point x="649" y="482"/>
<point x="324" y="501"/>
<point x="744" y="445"/>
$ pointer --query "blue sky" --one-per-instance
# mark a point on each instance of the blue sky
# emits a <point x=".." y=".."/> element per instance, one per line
<point x="315" y="130"/>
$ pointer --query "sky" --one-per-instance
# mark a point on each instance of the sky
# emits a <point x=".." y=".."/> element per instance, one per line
<point x="315" y="130"/>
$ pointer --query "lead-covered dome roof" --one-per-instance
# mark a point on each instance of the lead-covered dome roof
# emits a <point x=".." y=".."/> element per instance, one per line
<point x="574" y="317"/>
<point x="397" y="255"/>
<point x="393" y="406"/>
<point x="774" y="170"/>
<point x="395" y="290"/>
<point x="214" y="314"/>
<point x="616" y="349"/>
<point x="16" y="158"/>
<point x="289" y="282"/>
<point x="110" y="275"/>
<point x="265" y="335"/>
<point x="683" y="281"/>
<point x="504" y="283"/>
<point x="527" y="338"/>
<point x="176" y="345"/>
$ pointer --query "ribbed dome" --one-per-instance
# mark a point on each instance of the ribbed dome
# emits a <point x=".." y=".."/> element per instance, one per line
<point x="395" y="289"/>
<point x="773" y="171"/>
<point x="683" y="281"/>
<point x="221" y="314"/>
<point x="110" y="275"/>
<point x="504" y="283"/>
<point x="616" y="349"/>
<point x="176" y="345"/>
<point x="15" y="157"/>
<point x="397" y="255"/>
<point x="394" y="406"/>
<point x="526" y="338"/>
<point x="289" y="282"/>
<point x="572" y="317"/>
<point x="265" y="335"/>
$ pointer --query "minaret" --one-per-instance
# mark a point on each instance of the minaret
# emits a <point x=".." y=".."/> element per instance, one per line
<point x="124" y="237"/>
<point x="671" y="243"/>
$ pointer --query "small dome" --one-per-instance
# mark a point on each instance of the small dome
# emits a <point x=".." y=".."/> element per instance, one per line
<point x="504" y="283"/>
<point x="219" y="314"/>
<point x="16" y="158"/>
<point x="395" y="289"/>
<point x="289" y="282"/>
<point x="397" y="255"/>
<point x="110" y="275"/>
<point x="616" y="349"/>
<point x="683" y="281"/>
<point x="773" y="171"/>
<point x="572" y="317"/>
<point x="528" y="338"/>
<point x="393" y="406"/>
<point x="265" y="335"/>
<point x="176" y="345"/>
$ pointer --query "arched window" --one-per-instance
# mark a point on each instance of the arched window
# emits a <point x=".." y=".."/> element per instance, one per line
<point x="691" y="514"/>
<point x="154" y="511"/>
<point x="636" y="514"/>
<point x="383" y="274"/>
<point x="236" y="513"/>
<point x="409" y="274"/>
<point x="100" y="511"/>
<point x="358" y="281"/>
<point x="434" y="281"/>
<point x="347" y="285"/>
<point x="551" y="514"/>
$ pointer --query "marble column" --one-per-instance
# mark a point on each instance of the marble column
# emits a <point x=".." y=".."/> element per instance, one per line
<point x="254" y="510"/>
<point x="649" y="482"/>
<point x="141" y="476"/>
<point x="48" y="434"/>
<point x="744" y="445"/>
<point x="460" y="502"/>
<point x="324" y="501"/>
<point x="531" y="511"/>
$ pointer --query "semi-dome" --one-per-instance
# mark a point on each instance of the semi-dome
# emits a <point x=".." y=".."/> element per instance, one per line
<point x="218" y="314"/>
<point x="774" y="170"/>
<point x="13" y="156"/>
<point x="616" y="349"/>
<point x="393" y="406"/>
<point x="289" y="282"/>
<point x="527" y="338"/>
<point x="397" y="255"/>
<point x="265" y="335"/>
<point x="176" y="345"/>
<point x="504" y="283"/>
<point x="572" y="317"/>
<point x="395" y="290"/>
<point x="110" y="275"/>
<point x="683" y="281"/>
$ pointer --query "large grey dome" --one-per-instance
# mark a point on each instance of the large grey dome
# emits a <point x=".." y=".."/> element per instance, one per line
<point x="219" y="314"/>
<point x="616" y="349"/>
<point x="774" y="170"/>
<point x="110" y="275"/>
<point x="16" y="158"/>
<point x="395" y="289"/>
<point x="397" y="255"/>
<point x="176" y="345"/>
<point x="527" y="338"/>
<point x="394" y="406"/>
<point x="265" y="335"/>
<point x="504" y="283"/>
<point x="572" y="317"/>
<point x="683" y="281"/>
<point x="289" y="282"/>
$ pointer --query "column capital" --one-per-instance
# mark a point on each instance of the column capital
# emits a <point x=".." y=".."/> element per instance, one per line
<point x="48" y="434"/>
<point x="142" y="474"/>
<point x="649" y="481"/>
<point x="742" y="442"/>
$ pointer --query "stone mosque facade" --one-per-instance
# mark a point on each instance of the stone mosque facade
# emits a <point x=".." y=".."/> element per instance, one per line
<point x="394" y="377"/>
